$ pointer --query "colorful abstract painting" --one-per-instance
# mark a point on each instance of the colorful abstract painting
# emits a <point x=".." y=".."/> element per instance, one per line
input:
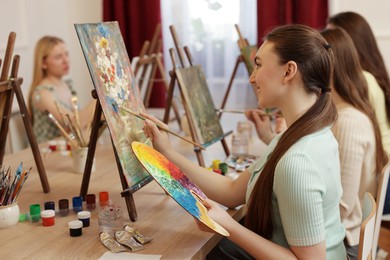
<point x="249" y="53"/>
<point x="176" y="184"/>
<point x="200" y="103"/>
<point x="110" y="70"/>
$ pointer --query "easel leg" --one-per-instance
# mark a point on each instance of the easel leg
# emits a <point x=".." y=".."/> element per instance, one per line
<point x="31" y="136"/>
<point x="225" y="147"/>
<point x="199" y="156"/>
<point x="5" y="122"/>
<point x="91" y="149"/>
<point x="173" y="103"/>
<point x="150" y="85"/>
<point x="126" y="193"/>
<point x="16" y="82"/>
<point x="239" y="59"/>
<point x="169" y="97"/>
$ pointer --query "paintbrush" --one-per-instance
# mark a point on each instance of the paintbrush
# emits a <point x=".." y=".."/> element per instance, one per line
<point x="62" y="130"/>
<point x="236" y="111"/>
<point x="163" y="128"/>
<point x="75" y="106"/>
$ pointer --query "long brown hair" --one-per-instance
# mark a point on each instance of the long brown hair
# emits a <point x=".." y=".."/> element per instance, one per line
<point x="350" y="84"/>
<point x="370" y="57"/>
<point x="314" y="58"/>
<point x="42" y="49"/>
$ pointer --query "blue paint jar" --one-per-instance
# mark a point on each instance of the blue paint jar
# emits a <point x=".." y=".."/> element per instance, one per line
<point x="77" y="204"/>
<point x="49" y="205"/>
<point x="85" y="217"/>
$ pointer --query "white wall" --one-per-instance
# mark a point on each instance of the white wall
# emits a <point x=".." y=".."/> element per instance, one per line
<point x="376" y="13"/>
<point x="32" y="19"/>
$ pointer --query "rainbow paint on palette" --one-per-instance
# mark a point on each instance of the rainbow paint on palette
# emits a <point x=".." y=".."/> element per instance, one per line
<point x="175" y="183"/>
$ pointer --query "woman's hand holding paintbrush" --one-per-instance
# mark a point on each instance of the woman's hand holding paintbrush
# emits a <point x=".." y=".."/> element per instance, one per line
<point x="262" y="121"/>
<point x="158" y="124"/>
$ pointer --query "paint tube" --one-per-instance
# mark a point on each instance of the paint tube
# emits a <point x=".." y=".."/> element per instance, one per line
<point x="125" y="238"/>
<point x="109" y="242"/>
<point x="137" y="235"/>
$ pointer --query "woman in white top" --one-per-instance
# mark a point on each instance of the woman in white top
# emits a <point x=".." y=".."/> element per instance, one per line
<point x="361" y="153"/>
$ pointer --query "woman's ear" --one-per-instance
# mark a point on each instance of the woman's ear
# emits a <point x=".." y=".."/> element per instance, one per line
<point x="291" y="69"/>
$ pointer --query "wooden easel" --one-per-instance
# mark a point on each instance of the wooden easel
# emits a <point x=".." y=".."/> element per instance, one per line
<point x="150" y="58"/>
<point x="242" y="43"/>
<point x="127" y="192"/>
<point x="8" y="87"/>
<point x="190" y="120"/>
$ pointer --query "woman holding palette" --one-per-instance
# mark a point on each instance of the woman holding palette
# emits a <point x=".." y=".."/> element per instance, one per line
<point x="292" y="192"/>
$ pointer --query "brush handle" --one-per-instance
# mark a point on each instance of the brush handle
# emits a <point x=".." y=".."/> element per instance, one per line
<point x="62" y="130"/>
<point x="164" y="128"/>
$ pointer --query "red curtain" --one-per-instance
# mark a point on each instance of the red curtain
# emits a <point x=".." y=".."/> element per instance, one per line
<point x="271" y="13"/>
<point x="137" y="21"/>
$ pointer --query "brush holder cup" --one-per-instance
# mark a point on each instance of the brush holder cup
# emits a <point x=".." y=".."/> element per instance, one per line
<point x="9" y="215"/>
<point x="79" y="159"/>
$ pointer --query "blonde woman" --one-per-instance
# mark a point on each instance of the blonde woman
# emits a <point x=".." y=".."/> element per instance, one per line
<point x="49" y="91"/>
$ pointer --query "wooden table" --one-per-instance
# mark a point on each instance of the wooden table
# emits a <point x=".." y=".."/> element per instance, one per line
<point x="174" y="232"/>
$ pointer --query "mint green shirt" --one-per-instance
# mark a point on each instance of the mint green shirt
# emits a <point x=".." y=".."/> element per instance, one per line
<point x="306" y="193"/>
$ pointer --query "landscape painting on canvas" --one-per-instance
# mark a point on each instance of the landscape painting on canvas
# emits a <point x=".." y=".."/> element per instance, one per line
<point x="249" y="53"/>
<point x="110" y="70"/>
<point x="200" y="103"/>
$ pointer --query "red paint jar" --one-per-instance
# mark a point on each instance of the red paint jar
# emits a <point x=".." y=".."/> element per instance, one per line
<point x="47" y="217"/>
<point x="103" y="198"/>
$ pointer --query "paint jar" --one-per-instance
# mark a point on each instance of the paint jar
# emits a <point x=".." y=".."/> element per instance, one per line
<point x="77" y="203"/>
<point x="103" y="198"/>
<point x="52" y="145"/>
<point x="91" y="201"/>
<point x="224" y="168"/>
<point x="63" y="205"/>
<point x="240" y="144"/>
<point x="110" y="219"/>
<point x="48" y="217"/>
<point x="216" y="164"/>
<point x="49" y="205"/>
<point x="9" y="215"/>
<point x="75" y="228"/>
<point x="244" y="128"/>
<point x="35" y="212"/>
<point x="217" y="171"/>
<point x="62" y="145"/>
<point x="79" y="159"/>
<point x="85" y="217"/>
<point x="23" y="217"/>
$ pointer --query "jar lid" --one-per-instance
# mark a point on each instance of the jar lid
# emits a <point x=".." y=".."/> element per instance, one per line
<point x="75" y="224"/>
<point x="35" y="209"/>
<point x="84" y="214"/>
<point x="91" y="198"/>
<point x="48" y="213"/>
<point x="77" y="201"/>
<point x="63" y="203"/>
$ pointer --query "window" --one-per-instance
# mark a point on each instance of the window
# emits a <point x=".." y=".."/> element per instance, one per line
<point x="207" y="28"/>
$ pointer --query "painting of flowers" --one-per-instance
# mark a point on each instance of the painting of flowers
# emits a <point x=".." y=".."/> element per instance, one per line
<point x="110" y="70"/>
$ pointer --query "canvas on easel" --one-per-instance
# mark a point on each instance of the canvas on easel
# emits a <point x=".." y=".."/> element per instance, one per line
<point x="10" y="85"/>
<point x="202" y="118"/>
<point x="115" y="86"/>
<point x="247" y="55"/>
